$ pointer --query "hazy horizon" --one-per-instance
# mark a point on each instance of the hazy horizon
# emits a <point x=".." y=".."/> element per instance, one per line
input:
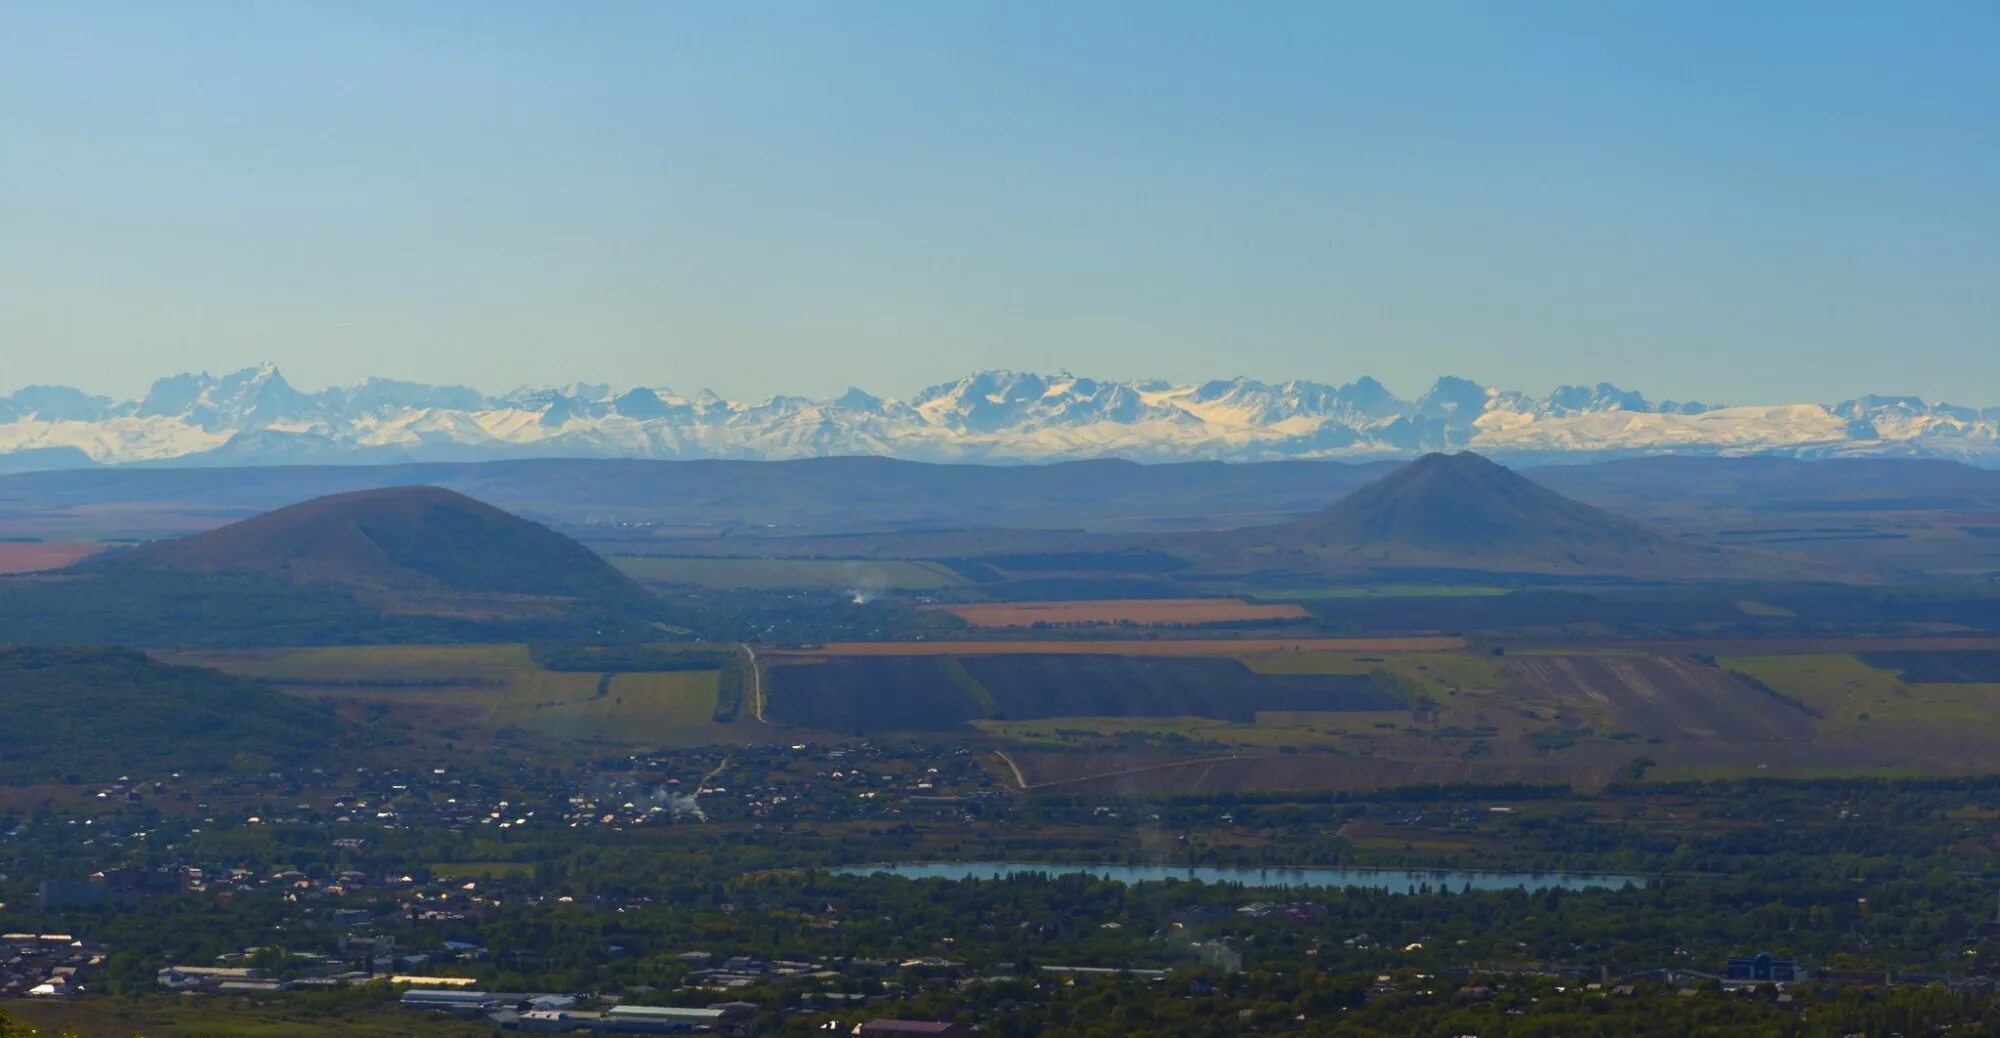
<point x="1778" y="203"/>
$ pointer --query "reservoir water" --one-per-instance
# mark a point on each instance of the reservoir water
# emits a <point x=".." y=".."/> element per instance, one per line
<point x="1393" y="880"/>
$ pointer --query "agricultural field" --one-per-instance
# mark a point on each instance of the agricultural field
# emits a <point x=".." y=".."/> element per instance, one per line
<point x="1315" y="594"/>
<point x="1364" y="711"/>
<point x="1665" y="697"/>
<point x="1270" y="730"/>
<point x="481" y="870"/>
<point x="930" y="693"/>
<point x="35" y="556"/>
<point x="1143" y="612"/>
<point x="896" y="693"/>
<point x="1951" y="724"/>
<point x="379" y="666"/>
<point x="632" y="709"/>
<point x="1837" y="687"/>
<point x="1028" y="687"/>
<point x="1434" y="673"/>
<point x="471" y="692"/>
<point x="1134" y="647"/>
<point x="861" y="575"/>
<point x="1115" y="774"/>
<point x="1952" y="668"/>
<point x="1578" y="715"/>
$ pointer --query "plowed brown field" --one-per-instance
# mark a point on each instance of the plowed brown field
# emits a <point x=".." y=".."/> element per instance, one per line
<point x="1668" y="697"/>
<point x="34" y="556"/>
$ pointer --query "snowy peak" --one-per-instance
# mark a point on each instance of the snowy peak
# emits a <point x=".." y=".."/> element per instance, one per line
<point x="1569" y="400"/>
<point x="248" y="399"/>
<point x="254" y="416"/>
<point x="386" y="395"/>
<point x="55" y="404"/>
<point x="992" y="401"/>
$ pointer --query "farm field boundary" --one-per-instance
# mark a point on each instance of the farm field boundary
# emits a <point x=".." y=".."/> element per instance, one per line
<point x="1138" y="611"/>
<point x="785" y="574"/>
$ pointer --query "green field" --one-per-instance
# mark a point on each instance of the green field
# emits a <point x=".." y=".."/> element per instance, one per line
<point x="477" y="870"/>
<point x="1870" y="706"/>
<point x="496" y="687"/>
<point x="784" y="574"/>
<point x="1840" y="688"/>
<point x="662" y="709"/>
<point x="357" y="665"/>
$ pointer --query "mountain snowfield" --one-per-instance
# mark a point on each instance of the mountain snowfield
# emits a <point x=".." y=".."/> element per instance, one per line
<point x="254" y="417"/>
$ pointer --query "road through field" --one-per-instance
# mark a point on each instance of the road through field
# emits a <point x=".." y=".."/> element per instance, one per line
<point x="1020" y="780"/>
<point x="756" y="684"/>
<point x="710" y="777"/>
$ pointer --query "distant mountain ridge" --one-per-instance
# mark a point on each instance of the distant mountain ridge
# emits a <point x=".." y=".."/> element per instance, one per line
<point x="255" y="417"/>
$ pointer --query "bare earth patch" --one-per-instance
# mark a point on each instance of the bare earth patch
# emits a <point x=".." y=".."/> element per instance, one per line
<point x="35" y="556"/>
<point x="1667" y="697"/>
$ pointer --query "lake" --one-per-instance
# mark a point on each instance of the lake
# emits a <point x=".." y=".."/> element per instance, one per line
<point x="1393" y="880"/>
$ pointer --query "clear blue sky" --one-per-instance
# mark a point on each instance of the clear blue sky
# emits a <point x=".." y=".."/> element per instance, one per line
<point x="1737" y="201"/>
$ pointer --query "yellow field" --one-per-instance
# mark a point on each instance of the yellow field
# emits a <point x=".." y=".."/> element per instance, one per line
<point x="493" y="687"/>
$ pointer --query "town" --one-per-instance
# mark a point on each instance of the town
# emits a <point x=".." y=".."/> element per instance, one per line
<point x="416" y="881"/>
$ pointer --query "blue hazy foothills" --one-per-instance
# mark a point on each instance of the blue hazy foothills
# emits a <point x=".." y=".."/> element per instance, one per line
<point x="1752" y="202"/>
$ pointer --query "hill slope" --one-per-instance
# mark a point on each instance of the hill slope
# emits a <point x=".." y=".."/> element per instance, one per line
<point x="1464" y="512"/>
<point x="98" y="713"/>
<point x="407" y="564"/>
<point x="421" y="540"/>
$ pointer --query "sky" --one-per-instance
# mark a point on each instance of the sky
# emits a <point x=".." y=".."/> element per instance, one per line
<point x="1720" y="201"/>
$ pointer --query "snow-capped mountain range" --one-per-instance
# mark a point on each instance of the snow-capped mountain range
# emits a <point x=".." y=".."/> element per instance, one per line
<point x="254" y="417"/>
